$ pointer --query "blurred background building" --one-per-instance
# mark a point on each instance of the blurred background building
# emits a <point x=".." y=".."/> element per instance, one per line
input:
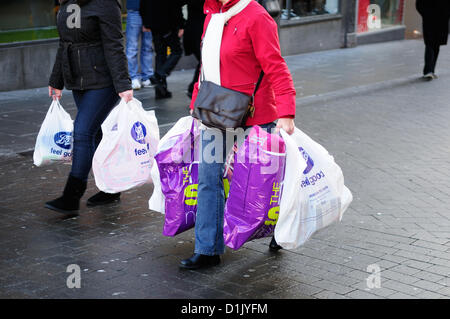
<point x="28" y="37"/>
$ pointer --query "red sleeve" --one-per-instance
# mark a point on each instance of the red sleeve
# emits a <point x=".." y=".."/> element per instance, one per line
<point x="194" y="96"/>
<point x="266" y="45"/>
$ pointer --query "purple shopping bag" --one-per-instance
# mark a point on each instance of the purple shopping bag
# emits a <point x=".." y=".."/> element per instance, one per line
<point x="179" y="180"/>
<point x="178" y="169"/>
<point x="252" y="208"/>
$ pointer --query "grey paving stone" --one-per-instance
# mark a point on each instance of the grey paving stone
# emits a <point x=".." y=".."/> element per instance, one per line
<point x="427" y="285"/>
<point x="325" y="294"/>
<point x="361" y="294"/>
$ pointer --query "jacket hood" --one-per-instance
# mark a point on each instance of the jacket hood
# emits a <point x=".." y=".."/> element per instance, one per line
<point x="213" y="6"/>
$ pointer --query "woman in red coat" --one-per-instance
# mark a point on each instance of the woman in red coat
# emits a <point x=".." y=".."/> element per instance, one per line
<point x="249" y="45"/>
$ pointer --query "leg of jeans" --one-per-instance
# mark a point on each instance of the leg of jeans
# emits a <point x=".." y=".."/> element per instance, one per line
<point x="173" y="41"/>
<point x="93" y="108"/>
<point x="161" y="53"/>
<point x="134" y="29"/>
<point x="146" y="56"/>
<point x="210" y="207"/>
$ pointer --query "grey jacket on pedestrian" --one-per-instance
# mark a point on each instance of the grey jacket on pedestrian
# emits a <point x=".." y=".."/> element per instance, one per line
<point x="91" y="53"/>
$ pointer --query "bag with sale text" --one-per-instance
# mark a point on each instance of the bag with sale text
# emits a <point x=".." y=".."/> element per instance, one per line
<point x="124" y="157"/>
<point x="176" y="177"/>
<point x="54" y="140"/>
<point x="314" y="195"/>
<point x="252" y="208"/>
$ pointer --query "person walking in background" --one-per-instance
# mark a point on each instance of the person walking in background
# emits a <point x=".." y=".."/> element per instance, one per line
<point x="91" y="62"/>
<point x="164" y="19"/>
<point x="435" y="18"/>
<point x="193" y="36"/>
<point x="134" y="32"/>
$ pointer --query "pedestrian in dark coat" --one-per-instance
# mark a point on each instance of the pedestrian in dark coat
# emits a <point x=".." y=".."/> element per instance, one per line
<point x="435" y="19"/>
<point x="165" y="20"/>
<point x="193" y="35"/>
<point x="91" y="62"/>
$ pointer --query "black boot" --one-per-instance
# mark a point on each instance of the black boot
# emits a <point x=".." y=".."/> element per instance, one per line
<point x="102" y="198"/>
<point x="161" y="91"/>
<point x="69" y="202"/>
<point x="200" y="261"/>
<point x="273" y="246"/>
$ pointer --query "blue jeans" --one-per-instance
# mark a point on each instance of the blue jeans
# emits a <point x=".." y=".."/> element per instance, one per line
<point x="133" y="32"/>
<point x="93" y="108"/>
<point x="211" y="201"/>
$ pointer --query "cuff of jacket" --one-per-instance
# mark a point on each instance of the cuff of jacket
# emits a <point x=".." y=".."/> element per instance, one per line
<point x="285" y="105"/>
<point x="56" y="83"/>
<point x="122" y="86"/>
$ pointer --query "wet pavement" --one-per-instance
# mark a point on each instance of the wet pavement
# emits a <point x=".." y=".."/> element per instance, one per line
<point x="386" y="129"/>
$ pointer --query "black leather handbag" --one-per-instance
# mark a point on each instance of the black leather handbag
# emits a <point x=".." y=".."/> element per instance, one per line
<point x="222" y="108"/>
<point x="272" y="7"/>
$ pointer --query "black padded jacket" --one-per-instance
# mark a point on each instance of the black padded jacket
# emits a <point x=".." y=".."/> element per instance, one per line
<point x="91" y="53"/>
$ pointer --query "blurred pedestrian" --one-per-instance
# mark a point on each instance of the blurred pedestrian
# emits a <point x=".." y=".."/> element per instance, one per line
<point x="134" y="32"/>
<point x="249" y="51"/>
<point x="91" y="62"/>
<point x="164" y="19"/>
<point x="435" y="19"/>
<point x="193" y="36"/>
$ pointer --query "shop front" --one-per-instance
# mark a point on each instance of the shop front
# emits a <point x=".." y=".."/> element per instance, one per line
<point x="311" y="25"/>
<point x="28" y="33"/>
<point x="379" y="21"/>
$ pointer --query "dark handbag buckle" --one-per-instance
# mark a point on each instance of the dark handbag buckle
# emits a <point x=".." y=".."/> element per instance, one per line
<point x="251" y="109"/>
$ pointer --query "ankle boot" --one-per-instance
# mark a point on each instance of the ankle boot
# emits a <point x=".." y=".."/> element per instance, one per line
<point x="273" y="246"/>
<point x="69" y="202"/>
<point x="198" y="261"/>
<point x="161" y="91"/>
<point x="102" y="198"/>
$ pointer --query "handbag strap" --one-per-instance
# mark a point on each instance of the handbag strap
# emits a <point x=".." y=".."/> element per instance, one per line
<point x="261" y="75"/>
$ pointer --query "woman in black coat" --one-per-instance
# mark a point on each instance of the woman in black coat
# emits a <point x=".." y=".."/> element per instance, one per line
<point x="91" y="62"/>
<point x="435" y="17"/>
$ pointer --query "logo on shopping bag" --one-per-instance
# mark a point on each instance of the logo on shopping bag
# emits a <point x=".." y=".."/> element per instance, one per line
<point x="138" y="132"/>
<point x="63" y="139"/>
<point x="308" y="160"/>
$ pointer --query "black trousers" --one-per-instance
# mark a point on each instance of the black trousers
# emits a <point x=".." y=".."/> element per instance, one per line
<point x="196" y="72"/>
<point x="166" y="63"/>
<point x="431" y="56"/>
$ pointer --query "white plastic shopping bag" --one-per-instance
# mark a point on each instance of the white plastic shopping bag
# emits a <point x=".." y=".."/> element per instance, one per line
<point x="157" y="200"/>
<point x="314" y="195"/>
<point x="54" y="140"/>
<point x="125" y="155"/>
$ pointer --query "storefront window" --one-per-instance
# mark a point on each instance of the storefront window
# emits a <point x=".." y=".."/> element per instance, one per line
<point x="379" y="14"/>
<point x="296" y="9"/>
<point x="27" y="20"/>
